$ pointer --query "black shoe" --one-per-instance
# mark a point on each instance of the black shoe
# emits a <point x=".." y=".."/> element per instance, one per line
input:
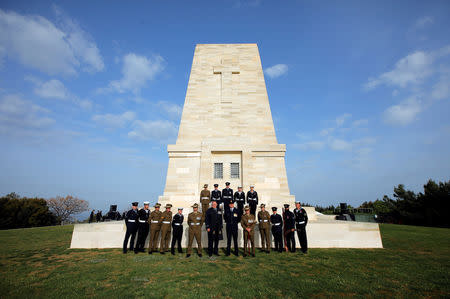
<point x="236" y="253"/>
<point x="135" y="252"/>
<point x="150" y="252"/>
<point x="210" y="255"/>
<point x="142" y="250"/>
<point x="162" y="252"/>
<point x="200" y="255"/>
<point x="267" y="251"/>
<point x="245" y="255"/>
<point x="125" y="252"/>
<point x="172" y="252"/>
<point x="180" y="251"/>
<point x="227" y="254"/>
<point x="188" y="255"/>
<point x="253" y="255"/>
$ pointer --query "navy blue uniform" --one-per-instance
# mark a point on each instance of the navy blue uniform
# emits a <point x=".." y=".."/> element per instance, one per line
<point x="289" y="224"/>
<point x="239" y="198"/>
<point x="277" y="231"/>
<point x="301" y="219"/>
<point x="232" y="219"/>
<point x="216" y="196"/>
<point x="130" y="219"/>
<point x="143" y="228"/>
<point x="252" y="201"/>
<point x="227" y="197"/>
<point x="177" y="232"/>
<point x="213" y="221"/>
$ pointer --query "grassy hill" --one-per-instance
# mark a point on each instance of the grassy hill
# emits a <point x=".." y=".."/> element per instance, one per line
<point x="36" y="262"/>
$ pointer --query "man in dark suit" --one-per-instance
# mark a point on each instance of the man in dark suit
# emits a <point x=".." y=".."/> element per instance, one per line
<point x="214" y="225"/>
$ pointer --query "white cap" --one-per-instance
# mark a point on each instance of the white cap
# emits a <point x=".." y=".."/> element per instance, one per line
<point x="146" y="203"/>
<point x="180" y="208"/>
<point x="252" y="186"/>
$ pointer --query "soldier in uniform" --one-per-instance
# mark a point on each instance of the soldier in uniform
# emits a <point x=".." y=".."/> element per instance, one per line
<point x="155" y="228"/>
<point x="177" y="233"/>
<point x="277" y="229"/>
<point x="130" y="221"/>
<point x="143" y="227"/>
<point x="205" y="199"/>
<point x="232" y="220"/>
<point x="214" y="225"/>
<point x="227" y="196"/>
<point x="252" y="199"/>
<point x="216" y="195"/>
<point x="166" y="221"/>
<point x="264" y="228"/>
<point x="239" y="198"/>
<point x="195" y="222"/>
<point x="248" y="224"/>
<point x="301" y="219"/>
<point x="289" y="225"/>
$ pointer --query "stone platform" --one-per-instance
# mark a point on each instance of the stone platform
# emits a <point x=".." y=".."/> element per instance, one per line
<point x="322" y="232"/>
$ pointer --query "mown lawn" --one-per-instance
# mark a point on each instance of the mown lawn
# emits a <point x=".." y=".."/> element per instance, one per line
<point x="36" y="262"/>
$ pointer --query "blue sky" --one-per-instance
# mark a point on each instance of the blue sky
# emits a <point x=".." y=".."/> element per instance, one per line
<point x="90" y="95"/>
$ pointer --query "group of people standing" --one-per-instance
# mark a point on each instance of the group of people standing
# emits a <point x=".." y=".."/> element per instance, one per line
<point x="162" y="225"/>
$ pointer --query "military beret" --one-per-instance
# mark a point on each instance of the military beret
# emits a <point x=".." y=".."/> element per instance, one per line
<point x="195" y="205"/>
<point x="227" y="183"/>
<point x="205" y="186"/>
<point x="274" y="208"/>
<point x="286" y="206"/>
<point x="216" y="185"/>
<point x="262" y="205"/>
<point x="146" y="203"/>
<point x="135" y="204"/>
<point x="168" y="206"/>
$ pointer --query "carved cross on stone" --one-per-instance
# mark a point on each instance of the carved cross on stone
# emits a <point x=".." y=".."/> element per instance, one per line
<point x="226" y="71"/>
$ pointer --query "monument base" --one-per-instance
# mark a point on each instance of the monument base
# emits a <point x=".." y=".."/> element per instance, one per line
<point x="323" y="232"/>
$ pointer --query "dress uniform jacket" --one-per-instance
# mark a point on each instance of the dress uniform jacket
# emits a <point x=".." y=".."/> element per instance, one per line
<point x="264" y="230"/>
<point x="195" y="222"/>
<point x="216" y="195"/>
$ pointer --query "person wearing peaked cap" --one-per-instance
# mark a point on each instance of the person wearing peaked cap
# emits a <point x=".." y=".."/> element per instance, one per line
<point x="155" y="228"/>
<point x="195" y="222"/>
<point x="166" y="222"/>
<point x="143" y="227"/>
<point x="239" y="198"/>
<point x="277" y="229"/>
<point x="289" y="228"/>
<point x="252" y="199"/>
<point x="227" y="196"/>
<point x="264" y="229"/>
<point x="248" y="224"/>
<point x="177" y="232"/>
<point x="205" y="199"/>
<point x="130" y="220"/>
<point x="216" y="195"/>
<point x="232" y="219"/>
<point x="301" y="220"/>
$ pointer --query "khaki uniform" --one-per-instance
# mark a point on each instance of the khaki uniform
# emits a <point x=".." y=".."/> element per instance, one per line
<point x="264" y="230"/>
<point x="155" y="228"/>
<point x="248" y="221"/>
<point x="195" y="222"/>
<point x="166" y="228"/>
<point x="205" y="199"/>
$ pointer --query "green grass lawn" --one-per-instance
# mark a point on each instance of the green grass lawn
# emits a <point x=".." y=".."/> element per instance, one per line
<point x="36" y="262"/>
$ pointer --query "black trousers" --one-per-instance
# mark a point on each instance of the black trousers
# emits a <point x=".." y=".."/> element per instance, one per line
<point x="240" y="207"/>
<point x="232" y="232"/>
<point x="301" y="233"/>
<point x="213" y="241"/>
<point x="252" y="208"/>
<point x="131" y="231"/>
<point x="143" y="229"/>
<point x="177" y="235"/>
<point x="290" y="241"/>
<point x="278" y="238"/>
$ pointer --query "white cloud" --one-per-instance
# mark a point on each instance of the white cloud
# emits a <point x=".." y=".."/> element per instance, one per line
<point x="441" y="90"/>
<point x="172" y="110"/>
<point x="424" y="21"/>
<point x="38" y="43"/>
<point x="327" y="131"/>
<point x="137" y="70"/>
<point x="339" y="144"/>
<point x="412" y="69"/>
<point x="155" y="130"/>
<point x="114" y="120"/>
<point x="18" y="114"/>
<point x="311" y="145"/>
<point x="276" y="70"/>
<point x="404" y="113"/>
<point x="360" y="122"/>
<point x="342" y="118"/>
<point x="52" y="89"/>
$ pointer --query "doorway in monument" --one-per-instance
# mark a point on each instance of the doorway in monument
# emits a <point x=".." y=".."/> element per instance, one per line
<point x="226" y="166"/>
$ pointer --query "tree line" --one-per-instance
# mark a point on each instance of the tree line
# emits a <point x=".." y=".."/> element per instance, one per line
<point x="21" y="212"/>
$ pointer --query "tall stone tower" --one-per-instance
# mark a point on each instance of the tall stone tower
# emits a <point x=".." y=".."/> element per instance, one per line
<point x="226" y="131"/>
